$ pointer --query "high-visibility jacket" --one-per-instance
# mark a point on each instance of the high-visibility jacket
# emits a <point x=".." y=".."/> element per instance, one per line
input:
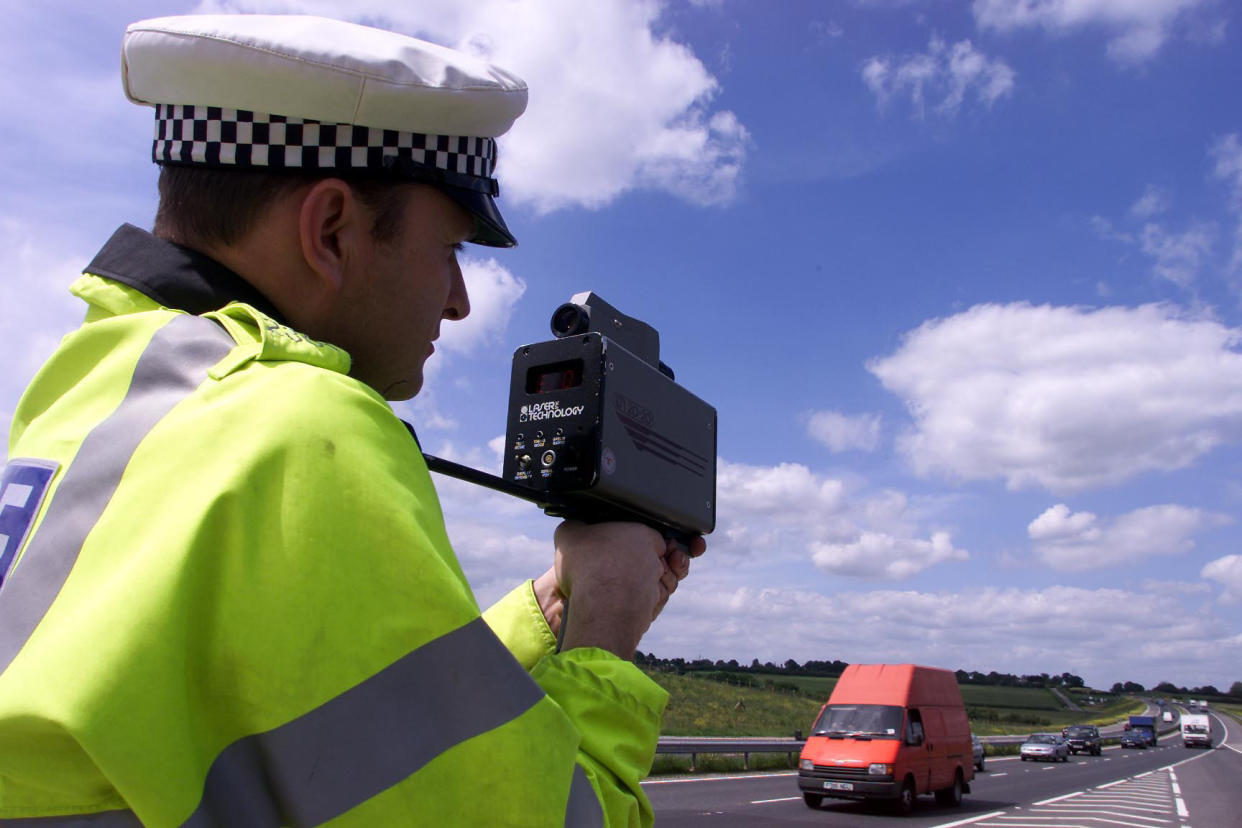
<point x="228" y="598"/>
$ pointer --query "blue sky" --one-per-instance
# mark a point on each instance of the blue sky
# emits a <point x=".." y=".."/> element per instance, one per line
<point x="963" y="280"/>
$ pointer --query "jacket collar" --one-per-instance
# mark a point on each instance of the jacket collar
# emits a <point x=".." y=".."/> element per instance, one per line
<point x="175" y="276"/>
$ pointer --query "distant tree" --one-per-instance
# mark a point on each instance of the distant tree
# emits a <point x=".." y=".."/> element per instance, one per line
<point x="792" y="666"/>
<point x="1117" y="687"/>
<point x="1132" y="687"/>
<point x="1071" y="680"/>
<point x="1235" y="690"/>
<point x="1165" y="687"/>
<point x="1206" y="690"/>
<point x="754" y="665"/>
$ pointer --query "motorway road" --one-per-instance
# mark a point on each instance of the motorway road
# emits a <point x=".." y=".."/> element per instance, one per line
<point x="1165" y="787"/>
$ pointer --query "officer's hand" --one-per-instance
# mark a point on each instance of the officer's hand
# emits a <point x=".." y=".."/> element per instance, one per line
<point x="617" y="577"/>
<point x="677" y="566"/>
<point x="551" y="599"/>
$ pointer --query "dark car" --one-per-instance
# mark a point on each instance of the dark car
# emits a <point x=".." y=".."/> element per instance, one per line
<point x="1134" y="739"/>
<point x="1084" y="738"/>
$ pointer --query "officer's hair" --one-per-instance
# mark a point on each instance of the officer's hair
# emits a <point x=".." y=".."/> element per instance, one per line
<point x="202" y="206"/>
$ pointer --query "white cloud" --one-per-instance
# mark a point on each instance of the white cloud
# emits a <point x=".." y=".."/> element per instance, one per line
<point x="1138" y="27"/>
<point x="1178" y="257"/>
<point x="1065" y="398"/>
<point x="1227" y="153"/>
<point x="825" y="31"/>
<point x="1078" y="541"/>
<point x="1226" y="571"/>
<point x="1106" y="230"/>
<point x="38" y="309"/>
<point x="1153" y="201"/>
<point x="1104" y="635"/>
<point x="789" y="492"/>
<point x="789" y="513"/>
<point x="639" y="103"/>
<point x="942" y="72"/>
<point x="877" y="555"/>
<point x="841" y="432"/>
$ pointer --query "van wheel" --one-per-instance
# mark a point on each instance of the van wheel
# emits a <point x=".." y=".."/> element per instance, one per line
<point x="979" y="765"/>
<point x="951" y="797"/>
<point x="812" y="800"/>
<point x="904" y="803"/>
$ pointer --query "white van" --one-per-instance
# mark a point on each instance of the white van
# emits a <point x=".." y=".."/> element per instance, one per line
<point x="1196" y="730"/>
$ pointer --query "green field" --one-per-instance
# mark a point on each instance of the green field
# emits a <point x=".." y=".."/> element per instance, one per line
<point x="702" y="707"/>
<point x="1021" y="698"/>
<point x="779" y="705"/>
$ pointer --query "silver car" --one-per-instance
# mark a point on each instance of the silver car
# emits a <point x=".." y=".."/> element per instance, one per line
<point x="977" y="747"/>
<point x="1047" y="747"/>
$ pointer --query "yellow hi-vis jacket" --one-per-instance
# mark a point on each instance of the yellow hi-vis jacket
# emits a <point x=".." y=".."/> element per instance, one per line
<point x="228" y="599"/>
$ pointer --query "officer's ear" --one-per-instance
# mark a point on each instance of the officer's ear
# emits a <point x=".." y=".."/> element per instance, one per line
<point x="332" y="226"/>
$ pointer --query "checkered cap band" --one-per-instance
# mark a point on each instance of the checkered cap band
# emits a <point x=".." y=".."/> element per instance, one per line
<point x="218" y="137"/>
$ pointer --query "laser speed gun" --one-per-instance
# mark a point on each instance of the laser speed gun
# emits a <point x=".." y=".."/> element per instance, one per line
<point x="598" y="429"/>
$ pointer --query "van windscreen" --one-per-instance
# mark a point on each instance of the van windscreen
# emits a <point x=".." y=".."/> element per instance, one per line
<point x="876" y="721"/>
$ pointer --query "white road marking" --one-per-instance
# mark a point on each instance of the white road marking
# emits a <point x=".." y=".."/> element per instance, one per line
<point x="970" y="821"/>
<point x="782" y="799"/>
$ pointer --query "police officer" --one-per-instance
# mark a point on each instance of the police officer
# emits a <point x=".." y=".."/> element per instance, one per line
<point x="226" y="592"/>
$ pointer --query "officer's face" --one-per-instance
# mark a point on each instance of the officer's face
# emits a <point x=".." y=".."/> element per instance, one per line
<point x="406" y="287"/>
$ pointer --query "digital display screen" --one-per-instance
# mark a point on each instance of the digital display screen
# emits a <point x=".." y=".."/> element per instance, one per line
<point x="544" y="379"/>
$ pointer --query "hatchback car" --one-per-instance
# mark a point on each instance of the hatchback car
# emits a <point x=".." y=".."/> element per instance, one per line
<point x="977" y="747"/>
<point x="1134" y="739"/>
<point x="1046" y="747"/>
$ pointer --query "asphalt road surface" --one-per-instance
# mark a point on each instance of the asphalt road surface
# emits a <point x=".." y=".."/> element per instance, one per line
<point x="1169" y="786"/>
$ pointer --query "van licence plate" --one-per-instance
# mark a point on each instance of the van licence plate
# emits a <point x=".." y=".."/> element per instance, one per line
<point x="838" y="786"/>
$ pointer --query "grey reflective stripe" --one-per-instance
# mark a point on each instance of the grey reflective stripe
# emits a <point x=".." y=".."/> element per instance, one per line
<point x="370" y="737"/>
<point x="106" y="819"/>
<point x="583" y="810"/>
<point x="174" y="363"/>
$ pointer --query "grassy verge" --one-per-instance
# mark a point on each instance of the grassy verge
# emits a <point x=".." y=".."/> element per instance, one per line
<point x="724" y="763"/>
<point x="708" y="708"/>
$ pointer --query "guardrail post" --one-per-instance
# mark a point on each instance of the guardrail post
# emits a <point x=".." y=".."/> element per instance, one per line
<point x="745" y="761"/>
<point x="693" y="761"/>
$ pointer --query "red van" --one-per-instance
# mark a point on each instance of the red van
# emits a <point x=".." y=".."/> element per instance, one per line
<point x="889" y="731"/>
